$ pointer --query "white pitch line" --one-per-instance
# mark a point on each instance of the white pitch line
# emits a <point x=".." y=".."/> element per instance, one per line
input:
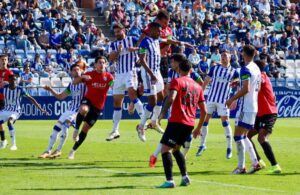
<point x="194" y="180"/>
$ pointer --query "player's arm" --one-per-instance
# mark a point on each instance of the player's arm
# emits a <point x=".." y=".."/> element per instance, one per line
<point x="57" y="95"/>
<point x="115" y="52"/>
<point x="81" y="79"/>
<point x="33" y="101"/>
<point x="207" y="80"/>
<point x="170" y="99"/>
<point x="177" y="43"/>
<point x="196" y="77"/>
<point x="242" y="92"/>
<point x="203" y="112"/>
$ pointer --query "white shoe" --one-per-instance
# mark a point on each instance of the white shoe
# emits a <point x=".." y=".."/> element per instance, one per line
<point x="112" y="136"/>
<point x="156" y="127"/>
<point x="3" y="144"/>
<point x="75" y="135"/>
<point x="141" y="133"/>
<point x="13" y="148"/>
<point x="71" y="155"/>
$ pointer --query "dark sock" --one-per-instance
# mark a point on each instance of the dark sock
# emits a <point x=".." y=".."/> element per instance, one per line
<point x="79" y="120"/>
<point x="168" y="165"/>
<point x="180" y="162"/>
<point x="82" y="136"/>
<point x="269" y="153"/>
<point x="2" y="134"/>
<point x="257" y="155"/>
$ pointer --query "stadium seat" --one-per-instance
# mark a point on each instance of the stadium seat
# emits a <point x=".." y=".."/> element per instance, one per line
<point x="290" y="83"/>
<point x="281" y="54"/>
<point x="66" y="81"/>
<point x="56" y="82"/>
<point x="297" y="64"/>
<point x="41" y="52"/>
<point x="290" y="63"/>
<point x="290" y="72"/>
<point x="298" y="82"/>
<point x="52" y="51"/>
<point x="90" y="61"/>
<point x="273" y="81"/>
<point x="20" y="52"/>
<point x="35" y="81"/>
<point x="45" y="81"/>
<point x="280" y="82"/>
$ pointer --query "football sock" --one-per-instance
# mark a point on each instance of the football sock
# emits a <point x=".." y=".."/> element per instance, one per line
<point x="269" y="153"/>
<point x="156" y="111"/>
<point x="12" y="133"/>
<point x="139" y="107"/>
<point x="82" y="136"/>
<point x="63" y="136"/>
<point x="204" y="132"/>
<point x="147" y="113"/>
<point x="251" y="151"/>
<point x="180" y="162"/>
<point x="53" y="137"/>
<point x="168" y="165"/>
<point x="117" y="115"/>
<point x="79" y="119"/>
<point x="240" y="145"/>
<point x="257" y="155"/>
<point x="228" y="133"/>
<point x="187" y="145"/>
<point x="158" y="150"/>
<point x="2" y="134"/>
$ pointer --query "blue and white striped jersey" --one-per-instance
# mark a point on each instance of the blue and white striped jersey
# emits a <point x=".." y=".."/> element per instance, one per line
<point x="77" y="92"/>
<point x="151" y="48"/>
<point x="172" y="74"/>
<point x="126" y="60"/>
<point x="220" y="86"/>
<point x="13" y="97"/>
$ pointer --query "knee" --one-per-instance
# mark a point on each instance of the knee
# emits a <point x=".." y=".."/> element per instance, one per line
<point x="83" y="110"/>
<point x="261" y="139"/>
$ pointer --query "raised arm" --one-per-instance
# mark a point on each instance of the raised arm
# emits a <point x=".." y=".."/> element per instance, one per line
<point x="57" y="95"/>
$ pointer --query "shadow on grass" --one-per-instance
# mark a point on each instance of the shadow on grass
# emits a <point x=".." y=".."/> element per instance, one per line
<point x="85" y="188"/>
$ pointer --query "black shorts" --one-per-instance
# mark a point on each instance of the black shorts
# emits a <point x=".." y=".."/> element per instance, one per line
<point x="176" y="134"/>
<point x="2" y="104"/>
<point x="265" y="122"/>
<point x="93" y="114"/>
<point x="164" y="68"/>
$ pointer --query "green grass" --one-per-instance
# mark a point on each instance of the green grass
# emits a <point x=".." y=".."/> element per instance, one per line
<point x="121" y="166"/>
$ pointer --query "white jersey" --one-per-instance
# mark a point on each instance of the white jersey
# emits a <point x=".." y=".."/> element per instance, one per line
<point x="251" y="72"/>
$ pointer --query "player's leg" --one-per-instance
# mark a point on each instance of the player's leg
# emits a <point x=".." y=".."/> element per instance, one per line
<point x="12" y="132"/>
<point x="228" y="135"/>
<point x="62" y="139"/>
<point x="204" y="133"/>
<point x="180" y="159"/>
<point x="83" y="111"/>
<point x="117" y="115"/>
<point x="132" y="86"/>
<point x="153" y="157"/>
<point x="168" y="166"/>
<point x="263" y="136"/>
<point x="239" y="138"/>
<point x="4" y="115"/>
<point x="187" y="145"/>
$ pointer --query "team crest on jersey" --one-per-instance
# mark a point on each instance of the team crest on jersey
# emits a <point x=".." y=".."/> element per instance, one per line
<point x="105" y="78"/>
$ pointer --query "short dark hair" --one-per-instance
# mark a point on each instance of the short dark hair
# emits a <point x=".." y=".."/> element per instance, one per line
<point x="185" y="65"/>
<point x="260" y="64"/>
<point x="73" y="66"/>
<point x="154" y="25"/>
<point x="178" y="57"/>
<point x="249" y="50"/>
<point x="163" y="14"/>
<point x="3" y="55"/>
<point x="101" y="57"/>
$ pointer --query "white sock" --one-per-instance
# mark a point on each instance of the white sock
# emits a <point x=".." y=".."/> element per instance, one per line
<point x="158" y="150"/>
<point x="250" y="150"/>
<point x="63" y="137"/>
<point x="240" y="145"/>
<point x="228" y="134"/>
<point x="139" y="107"/>
<point x="187" y="146"/>
<point x="156" y="112"/>
<point x="204" y="132"/>
<point x="13" y="137"/>
<point x="53" y="137"/>
<point x="147" y="113"/>
<point x="116" y="119"/>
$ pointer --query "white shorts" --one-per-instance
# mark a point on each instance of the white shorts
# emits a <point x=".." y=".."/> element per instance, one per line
<point x="68" y="115"/>
<point x="220" y="108"/>
<point x="5" y="115"/>
<point x="149" y="88"/>
<point x="125" y="81"/>
<point x="245" y="119"/>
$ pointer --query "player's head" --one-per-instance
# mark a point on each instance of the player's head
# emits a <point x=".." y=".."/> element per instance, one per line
<point x="119" y="31"/>
<point x="261" y="64"/>
<point x="185" y="67"/>
<point x="163" y="18"/>
<point x="175" y="61"/>
<point x="225" y="57"/>
<point x="12" y="81"/>
<point x="248" y="53"/>
<point x="100" y="63"/>
<point x="75" y="70"/>
<point x="3" y="61"/>
<point x="155" y="29"/>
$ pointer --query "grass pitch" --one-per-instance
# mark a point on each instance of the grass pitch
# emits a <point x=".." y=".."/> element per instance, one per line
<point x="121" y="166"/>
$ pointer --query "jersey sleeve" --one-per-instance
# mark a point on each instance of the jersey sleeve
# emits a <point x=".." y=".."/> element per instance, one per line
<point x="110" y="79"/>
<point x="68" y="89"/>
<point x="135" y="40"/>
<point x="112" y="47"/>
<point x="211" y="72"/>
<point x="245" y="74"/>
<point x="174" y="85"/>
<point x="196" y="77"/>
<point x="235" y="75"/>
<point x="201" y="95"/>
<point x="143" y="48"/>
<point x="170" y="76"/>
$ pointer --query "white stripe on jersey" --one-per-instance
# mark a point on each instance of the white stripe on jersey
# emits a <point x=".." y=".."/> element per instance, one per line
<point x="153" y="54"/>
<point x="126" y="60"/>
<point x="220" y="86"/>
<point x="13" y="98"/>
<point x="77" y="92"/>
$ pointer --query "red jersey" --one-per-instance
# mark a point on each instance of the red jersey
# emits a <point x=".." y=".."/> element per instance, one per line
<point x="97" y="87"/>
<point x="4" y="75"/>
<point x="189" y="94"/>
<point x="266" y="97"/>
<point x="165" y="33"/>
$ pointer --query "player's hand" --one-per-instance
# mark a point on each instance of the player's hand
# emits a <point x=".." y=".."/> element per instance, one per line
<point x="153" y="79"/>
<point x="196" y="133"/>
<point x="47" y="87"/>
<point x="160" y="118"/>
<point x="132" y="49"/>
<point x="86" y="77"/>
<point x="45" y="112"/>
